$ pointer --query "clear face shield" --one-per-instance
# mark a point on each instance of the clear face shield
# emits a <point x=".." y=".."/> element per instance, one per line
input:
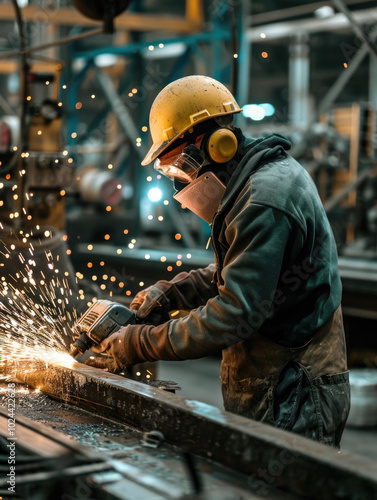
<point x="183" y="167"/>
<point x="203" y="193"/>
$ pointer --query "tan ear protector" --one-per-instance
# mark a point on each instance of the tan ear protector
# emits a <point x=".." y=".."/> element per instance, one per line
<point x="222" y="145"/>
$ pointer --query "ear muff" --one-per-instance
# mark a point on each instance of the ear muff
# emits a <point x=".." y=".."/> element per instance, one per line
<point x="222" y="145"/>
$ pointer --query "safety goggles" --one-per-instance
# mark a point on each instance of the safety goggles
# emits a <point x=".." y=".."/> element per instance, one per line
<point x="183" y="167"/>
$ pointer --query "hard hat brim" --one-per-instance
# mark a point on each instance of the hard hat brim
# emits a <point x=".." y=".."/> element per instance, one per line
<point x="155" y="151"/>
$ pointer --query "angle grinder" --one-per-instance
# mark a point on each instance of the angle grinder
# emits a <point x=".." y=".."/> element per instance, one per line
<point x="105" y="317"/>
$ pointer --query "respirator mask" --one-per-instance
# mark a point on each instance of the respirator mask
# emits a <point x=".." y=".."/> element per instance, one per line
<point x="200" y="193"/>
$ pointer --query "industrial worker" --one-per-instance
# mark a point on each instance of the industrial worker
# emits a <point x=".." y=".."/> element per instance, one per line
<point x="271" y="301"/>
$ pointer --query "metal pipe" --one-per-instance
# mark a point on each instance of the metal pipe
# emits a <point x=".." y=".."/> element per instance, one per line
<point x="8" y="110"/>
<point x="332" y="202"/>
<point x="299" y="74"/>
<point x="299" y="10"/>
<point x="55" y="43"/>
<point x="372" y="94"/>
<point x="178" y="222"/>
<point x="235" y="49"/>
<point x="344" y="76"/>
<point x="355" y="26"/>
<point x="120" y="111"/>
<point x="23" y="137"/>
<point x="244" y="64"/>
<point x="277" y="31"/>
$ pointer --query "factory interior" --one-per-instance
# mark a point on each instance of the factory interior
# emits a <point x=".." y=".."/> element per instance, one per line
<point x="84" y="224"/>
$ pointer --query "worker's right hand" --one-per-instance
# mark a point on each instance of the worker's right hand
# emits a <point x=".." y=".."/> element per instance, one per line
<point x="112" y="347"/>
<point x="151" y="305"/>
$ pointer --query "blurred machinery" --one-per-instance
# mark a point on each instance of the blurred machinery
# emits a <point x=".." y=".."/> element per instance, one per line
<point x="351" y="206"/>
<point x="34" y="168"/>
<point x="340" y="152"/>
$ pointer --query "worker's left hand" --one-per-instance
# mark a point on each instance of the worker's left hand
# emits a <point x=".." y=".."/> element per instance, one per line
<point x="108" y="364"/>
<point x="113" y="347"/>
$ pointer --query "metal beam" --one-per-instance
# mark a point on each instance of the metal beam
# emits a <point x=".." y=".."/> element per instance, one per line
<point x="298" y="464"/>
<point x="332" y="202"/>
<point x="51" y="44"/>
<point x="131" y="21"/>
<point x="129" y="49"/>
<point x="277" y="31"/>
<point x="195" y="12"/>
<point x="355" y="26"/>
<point x="360" y="276"/>
<point x="176" y="218"/>
<point x="10" y="67"/>
<point x="245" y="65"/>
<point x="120" y="111"/>
<point x="373" y="82"/>
<point x="344" y="76"/>
<point x="296" y="11"/>
<point x="299" y="76"/>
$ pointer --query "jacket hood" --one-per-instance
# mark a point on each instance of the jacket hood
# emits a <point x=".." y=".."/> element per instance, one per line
<point x="252" y="154"/>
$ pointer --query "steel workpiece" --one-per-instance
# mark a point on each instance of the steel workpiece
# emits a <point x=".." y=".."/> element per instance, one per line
<point x="299" y="465"/>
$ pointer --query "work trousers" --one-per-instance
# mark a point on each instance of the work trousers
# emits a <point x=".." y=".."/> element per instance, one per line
<point x="304" y="390"/>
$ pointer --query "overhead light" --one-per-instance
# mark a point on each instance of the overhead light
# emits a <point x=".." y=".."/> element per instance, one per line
<point x="78" y="64"/>
<point x="324" y="12"/>
<point x="162" y="51"/>
<point x="155" y="194"/>
<point x="254" y="112"/>
<point x="105" y="60"/>
<point x="268" y="108"/>
<point x="258" y="111"/>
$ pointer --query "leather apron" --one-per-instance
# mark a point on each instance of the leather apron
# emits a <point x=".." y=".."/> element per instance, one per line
<point x="316" y="404"/>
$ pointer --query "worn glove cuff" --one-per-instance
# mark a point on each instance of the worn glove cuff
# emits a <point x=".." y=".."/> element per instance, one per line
<point x="149" y="299"/>
<point x="134" y="344"/>
<point x="118" y="347"/>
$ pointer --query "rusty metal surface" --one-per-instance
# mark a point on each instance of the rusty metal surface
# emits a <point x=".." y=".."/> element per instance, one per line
<point x="299" y="465"/>
<point x="163" y="469"/>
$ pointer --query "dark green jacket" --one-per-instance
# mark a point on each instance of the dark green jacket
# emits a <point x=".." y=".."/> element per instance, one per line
<point x="276" y="265"/>
<point x="274" y="246"/>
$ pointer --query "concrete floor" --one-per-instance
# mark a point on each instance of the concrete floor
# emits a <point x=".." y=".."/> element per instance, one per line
<point x="199" y="380"/>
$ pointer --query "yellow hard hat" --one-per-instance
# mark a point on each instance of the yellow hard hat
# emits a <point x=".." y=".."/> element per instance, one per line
<point x="183" y="104"/>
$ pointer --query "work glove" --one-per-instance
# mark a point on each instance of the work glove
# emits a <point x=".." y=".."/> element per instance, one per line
<point x="103" y="363"/>
<point x="133" y="344"/>
<point x="113" y="346"/>
<point x="151" y="305"/>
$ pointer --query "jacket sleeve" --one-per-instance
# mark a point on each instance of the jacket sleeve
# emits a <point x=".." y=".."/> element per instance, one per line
<point x="260" y="238"/>
<point x="188" y="290"/>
